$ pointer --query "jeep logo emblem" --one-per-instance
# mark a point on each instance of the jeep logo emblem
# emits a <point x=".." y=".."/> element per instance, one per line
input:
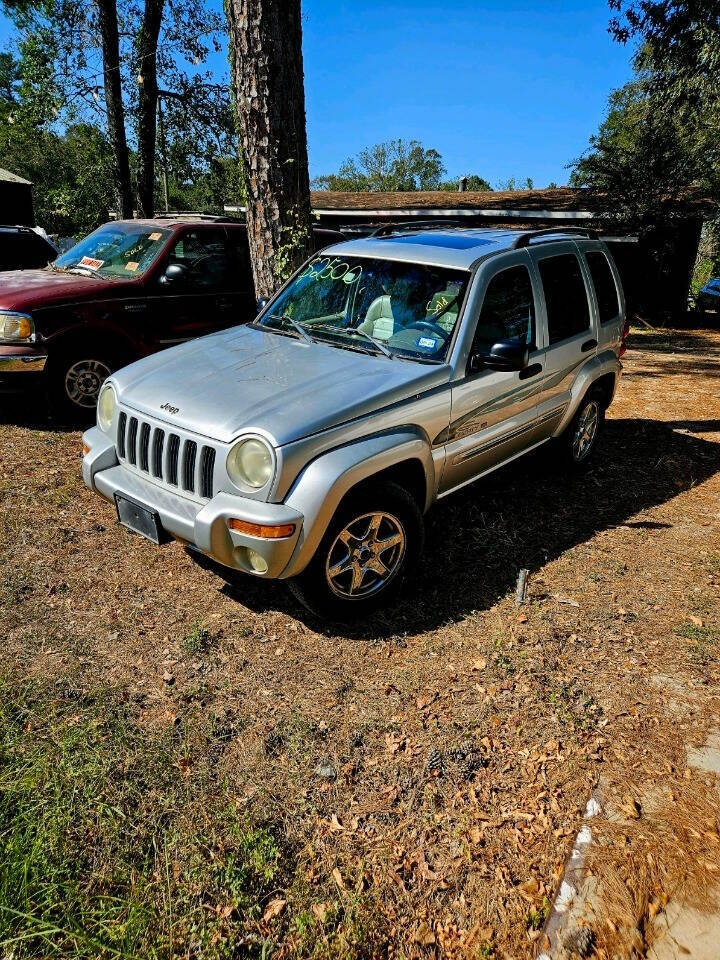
<point x="170" y="408"/>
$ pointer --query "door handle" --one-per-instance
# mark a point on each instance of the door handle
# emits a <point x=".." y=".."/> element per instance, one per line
<point x="588" y="345"/>
<point x="532" y="371"/>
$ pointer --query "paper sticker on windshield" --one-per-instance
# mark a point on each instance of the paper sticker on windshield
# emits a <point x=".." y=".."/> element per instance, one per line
<point x="132" y="265"/>
<point x="155" y="236"/>
<point x="91" y="262"/>
<point x="427" y="343"/>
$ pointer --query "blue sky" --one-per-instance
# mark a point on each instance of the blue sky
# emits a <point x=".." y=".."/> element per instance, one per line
<point x="501" y="89"/>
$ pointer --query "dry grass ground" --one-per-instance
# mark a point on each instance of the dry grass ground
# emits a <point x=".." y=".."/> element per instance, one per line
<point x="194" y="768"/>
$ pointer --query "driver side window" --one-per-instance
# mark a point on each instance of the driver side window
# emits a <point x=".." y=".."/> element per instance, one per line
<point x="205" y="255"/>
<point x="508" y="310"/>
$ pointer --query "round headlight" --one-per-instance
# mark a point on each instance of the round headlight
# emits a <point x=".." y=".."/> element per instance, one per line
<point x="250" y="463"/>
<point x="106" y="408"/>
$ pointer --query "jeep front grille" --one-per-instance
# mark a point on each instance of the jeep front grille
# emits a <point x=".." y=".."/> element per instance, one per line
<point x="174" y="460"/>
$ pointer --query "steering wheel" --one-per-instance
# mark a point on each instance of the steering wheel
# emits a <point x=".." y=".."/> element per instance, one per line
<point x="428" y="325"/>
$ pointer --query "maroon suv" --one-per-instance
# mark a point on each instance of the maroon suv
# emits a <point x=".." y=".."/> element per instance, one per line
<point x="128" y="289"/>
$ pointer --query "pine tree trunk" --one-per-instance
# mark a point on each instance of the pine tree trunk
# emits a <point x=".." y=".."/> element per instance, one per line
<point x="107" y="15"/>
<point x="147" y="105"/>
<point x="266" y="54"/>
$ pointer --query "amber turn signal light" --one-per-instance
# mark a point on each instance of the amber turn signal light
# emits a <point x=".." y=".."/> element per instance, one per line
<point x="86" y="449"/>
<point x="265" y="532"/>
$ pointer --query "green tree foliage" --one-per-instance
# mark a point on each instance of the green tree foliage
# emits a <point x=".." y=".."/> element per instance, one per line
<point x="641" y="158"/>
<point x="680" y="52"/>
<point x="62" y="79"/>
<point x="679" y="59"/>
<point x="474" y="182"/>
<point x="397" y="165"/>
<point x="512" y="184"/>
<point x="71" y="170"/>
<point x="201" y="148"/>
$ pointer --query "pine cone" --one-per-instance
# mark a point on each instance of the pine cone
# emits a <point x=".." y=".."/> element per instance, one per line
<point x="581" y="941"/>
<point x="467" y="748"/>
<point x="467" y="767"/>
<point x="435" y="762"/>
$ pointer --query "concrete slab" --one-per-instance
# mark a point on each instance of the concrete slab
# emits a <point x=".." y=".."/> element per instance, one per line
<point x="683" y="933"/>
<point x="706" y="758"/>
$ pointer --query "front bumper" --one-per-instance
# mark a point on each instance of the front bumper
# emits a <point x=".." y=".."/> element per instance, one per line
<point x="20" y="366"/>
<point x="201" y="525"/>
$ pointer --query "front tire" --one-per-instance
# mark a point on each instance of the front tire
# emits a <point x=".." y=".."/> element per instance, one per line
<point x="75" y="380"/>
<point x="580" y="437"/>
<point x="370" y="546"/>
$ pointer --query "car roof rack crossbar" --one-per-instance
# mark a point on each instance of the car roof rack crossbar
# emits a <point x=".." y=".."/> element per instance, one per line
<point x="408" y="226"/>
<point x="523" y="239"/>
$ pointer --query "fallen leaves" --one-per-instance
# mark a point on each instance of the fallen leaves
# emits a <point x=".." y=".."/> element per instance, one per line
<point x="274" y="909"/>
<point x="630" y="807"/>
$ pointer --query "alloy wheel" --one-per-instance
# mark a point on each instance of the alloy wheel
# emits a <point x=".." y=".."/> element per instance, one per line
<point x="83" y="381"/>
<point x="366" y="555"/>
<point x="586" y="431"/>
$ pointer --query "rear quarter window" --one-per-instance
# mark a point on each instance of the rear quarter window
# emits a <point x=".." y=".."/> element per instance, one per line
<point x="605" y="289"/>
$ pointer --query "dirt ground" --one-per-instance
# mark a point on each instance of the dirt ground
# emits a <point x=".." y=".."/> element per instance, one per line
<point x="426" y="774"/>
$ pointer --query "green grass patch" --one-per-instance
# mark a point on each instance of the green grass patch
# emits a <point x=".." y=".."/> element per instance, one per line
<point x="122" y="841"/>
<point x="704" y="641"/>
<point x="109" y="849"/>
<point x="198" y="640"/>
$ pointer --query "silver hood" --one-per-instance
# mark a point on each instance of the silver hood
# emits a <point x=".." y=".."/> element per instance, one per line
<point x="245" y="379"/>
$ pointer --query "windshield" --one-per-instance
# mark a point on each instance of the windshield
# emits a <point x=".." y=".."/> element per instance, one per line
<point x="383" y="306"/>
<point x="115" y="250"/>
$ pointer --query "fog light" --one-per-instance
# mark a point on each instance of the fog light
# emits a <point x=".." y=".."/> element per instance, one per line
<point x="257" y="562"/>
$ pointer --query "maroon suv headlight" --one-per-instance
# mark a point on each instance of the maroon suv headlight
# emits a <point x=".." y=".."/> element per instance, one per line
<point x="16" y="327"/>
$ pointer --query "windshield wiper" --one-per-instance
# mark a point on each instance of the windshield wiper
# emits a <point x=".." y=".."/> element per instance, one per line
<point x="300" y="329"/>
<point x="81" y="271"/>
<point x="357" y="332"/>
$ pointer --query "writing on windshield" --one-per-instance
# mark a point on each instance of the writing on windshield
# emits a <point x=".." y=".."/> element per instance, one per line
<point x="115" y="251"/>
<point x="396" y="308"/>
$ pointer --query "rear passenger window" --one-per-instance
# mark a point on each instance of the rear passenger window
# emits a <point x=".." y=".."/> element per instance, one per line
<point x="508" y="310"/>
<point x="604" y="283"/>
<point x="566" y="300"/>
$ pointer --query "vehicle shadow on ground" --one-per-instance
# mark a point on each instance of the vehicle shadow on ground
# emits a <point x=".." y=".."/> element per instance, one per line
<point x="524" y="516"/>
<point x="32" y="412"/>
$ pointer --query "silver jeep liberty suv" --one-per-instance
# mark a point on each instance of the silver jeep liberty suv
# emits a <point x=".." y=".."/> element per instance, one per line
<point x="388" y="372"/>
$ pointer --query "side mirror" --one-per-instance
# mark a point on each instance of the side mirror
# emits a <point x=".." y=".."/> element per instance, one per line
<point x="175" y="273"/>
<point x="507" y="355"/>
<point x="262" y="302"/>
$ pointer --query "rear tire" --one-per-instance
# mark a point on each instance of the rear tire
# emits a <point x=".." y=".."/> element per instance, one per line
<point x="371" y="544"/>
<point x="580" y="437"/>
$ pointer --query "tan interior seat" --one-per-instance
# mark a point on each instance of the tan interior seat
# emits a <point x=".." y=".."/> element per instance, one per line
<point x="379" y="321"/>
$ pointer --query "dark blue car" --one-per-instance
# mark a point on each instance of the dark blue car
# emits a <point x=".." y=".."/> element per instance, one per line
<point x="708" y="299"/>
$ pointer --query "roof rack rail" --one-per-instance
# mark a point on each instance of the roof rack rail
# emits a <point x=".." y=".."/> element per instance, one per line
<point x="409" y="225"/>
<point x="523" y="239"/>
<point x="192" y="215"/>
